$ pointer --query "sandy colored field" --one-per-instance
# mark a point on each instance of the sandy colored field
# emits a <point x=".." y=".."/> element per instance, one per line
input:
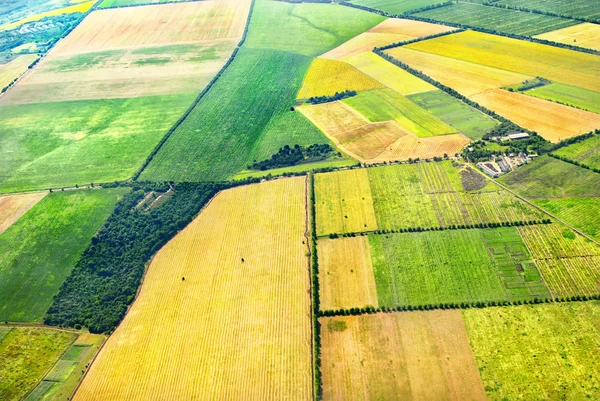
<point x="392" y="30"/>
<point x="465" y="77"/>
<point x="552" y="121"/>
<point x="159" y="24"/>
<point x="343" y="202"/>
<point x="582" y="35"/>
<point x="82" y="7"/>
<point x="377" y="142"/>
<point x="567" y="66"/>
<point x="399" y="356"/>
<point x="238" y="326"/>
<point x="14" y="69"/>
<point x="326" y="77"/>
<point x="388" y="74"/>
<point x="14" y="206"/>
<point x="346" y="274"/>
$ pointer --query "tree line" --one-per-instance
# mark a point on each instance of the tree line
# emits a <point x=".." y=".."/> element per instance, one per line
<point x="291" y="156"/>
<point x="337" y="96"/>
<point x="315" y="291"/>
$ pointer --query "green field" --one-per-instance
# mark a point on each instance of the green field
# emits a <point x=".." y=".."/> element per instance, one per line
<point x="396" y="6"/>
<point x="453" y="266"/>
<point x="38" y="252"/>
<point x="121" y="3"/>
<point x="502" y="20"/>
<point x="547" y="177"/>
<point x="432" y="195"/>
<point x="537" y="352"/>
<point x="579" y="8"/>
<point x="570" y="95"/>
<point x="243" y="119"/>
<point x="388" y="105"/>
<point x="66" y="143"/>
<point x="582" y="213"/>
<point x="586" y="152"/>
<point x="471" y="122"/>
<point x="26" y="354"/>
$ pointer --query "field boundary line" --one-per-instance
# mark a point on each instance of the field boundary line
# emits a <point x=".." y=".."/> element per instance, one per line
<point x="196" y="101"/>
<point x="536" y="206"/>
<point x="307" y="238"/>
<point x="146" y="4"/>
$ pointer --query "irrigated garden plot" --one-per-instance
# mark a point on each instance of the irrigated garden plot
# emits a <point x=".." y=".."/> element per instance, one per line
<point x="38" y="252"/>
<point x="224" y="310"/>
<point x="399" y="356"/>
<point x="537" y="352"/>
<point x="26" y="354"/>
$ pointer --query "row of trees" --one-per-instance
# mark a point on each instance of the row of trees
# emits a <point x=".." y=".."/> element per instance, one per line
<point x="291" y="156"/>
<point x="369" y="310"/>
<point x="519" y="223"/>
<point x="337" y="96"/>
<point x="315" y="291"/>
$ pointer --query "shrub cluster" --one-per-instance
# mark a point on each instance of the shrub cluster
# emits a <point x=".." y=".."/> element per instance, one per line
<point x="337" y="96"/>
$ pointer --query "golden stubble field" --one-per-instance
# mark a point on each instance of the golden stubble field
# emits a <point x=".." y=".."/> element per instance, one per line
<point x="12" y="207"/>
<point x="238" y="326"/>
<point x="346" y="273"/>
<point x="14" y="68"/>
<point x="137" y="51"/>
<point x="399" y="356"/>
<point x="582" y="35"/>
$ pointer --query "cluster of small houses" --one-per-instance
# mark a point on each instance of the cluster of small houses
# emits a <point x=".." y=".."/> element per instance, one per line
<point x="506" y="163"/>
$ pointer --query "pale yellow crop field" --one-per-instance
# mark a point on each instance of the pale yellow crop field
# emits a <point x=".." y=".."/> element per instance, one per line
<point x="326" y="77"/>
<point x="346" y="277"/>
<point x="343" y="202"/>
<point x="465" y="77"/>
<point x="76" y="8"/>
<point x="334" y="118"/>
<point x="399" y="356"/>
<point x="388" y="74"/>
<point x="367" y="143"/>
<point x="12" y="207"/>
<point x="412" y="147"/>
<point x="15" y="68"/>
<point x="238" y="326"/>
<point x="392" y="30"/>
<point x="157" y="24"/>
<point x="582" y="35"/>
<point x="553" y="63"/>
<point x="552" y="121"/>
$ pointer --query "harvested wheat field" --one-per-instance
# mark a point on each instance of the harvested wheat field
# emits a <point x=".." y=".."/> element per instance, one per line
<point x="334" y="118"/>
<point x="520" y="56"/>
<point x="552" y="121"/>
<point x="343" y="202"/>
<point x="399" y="356"/>
<point x="388" y="74"/>
<point x="15" y="68"/>
<point x="326" y="77"/>
<point x="346" y="273"/>
<point x="224" y="310"/>
<point x="412" y="147"/>
<point x="12" y="207"/>
<point x="582" y="35"/>
<point x="465" y="77"/>
<point x="392" y="30"/>
<point x="158" y="24"/>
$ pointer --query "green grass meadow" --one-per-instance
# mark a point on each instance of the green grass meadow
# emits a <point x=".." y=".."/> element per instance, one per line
<point x="49" y="145"/>
<point x="246" y="115"/>
<point x="453" y="266"/>
<point x="396" y="6"/>
<point x="586" y="152"/>
<point x="38" y="252"/>
<point x="471" y="122"/>
<point x="26" y="354"/>
<point x="570" y="95"/>
<point x="537" y="352"/>
<point x="502" y="20"/>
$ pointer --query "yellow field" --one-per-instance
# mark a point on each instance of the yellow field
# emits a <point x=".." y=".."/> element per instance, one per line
<point x="411" y="147"/>
<point x="392" y="30"/>
<point x="343" y="202"/>
<point x="15" y="68"/>
<point x="325" y="77"/>
<point x="400" y="356"/>
<point x="567" y="66"/>
<point x="369" y="142"/>
<point x="552" y="121"/>
<point x="76" y="8"/>
<point x="12" y="207"/>
<point x="346" y="277"/>
<point x="334" y="118"/>
<point x="238" y="326"/>
<point x="388" y="74"/>
<point x="582" y="35"/>
<point x="159" y="24"/>
<point x="465" y="77"/>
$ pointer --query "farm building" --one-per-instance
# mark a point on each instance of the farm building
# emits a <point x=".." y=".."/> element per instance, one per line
<point x="517" y="136"/>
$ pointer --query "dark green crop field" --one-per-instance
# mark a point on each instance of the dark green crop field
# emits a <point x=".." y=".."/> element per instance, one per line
<point x="579" y="8"/>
